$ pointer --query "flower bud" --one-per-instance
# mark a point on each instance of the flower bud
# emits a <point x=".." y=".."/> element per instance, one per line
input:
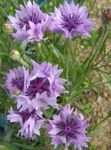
<point x="50" y="4"/>
<point x="39" y="45"/>
<point x="107" y="15"/>
<point x="15" y="55"/>
<point x="16" y="92"/>
<point x="8" y="28"/>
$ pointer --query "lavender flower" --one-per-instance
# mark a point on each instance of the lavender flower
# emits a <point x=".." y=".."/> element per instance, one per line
<point x="39" y="102"/>
<point x="29" y="22"/>
<point x="44" y="85"/>
<point x="51" y="78"/>
<point x="15" y="80"/>
<point x="30" y="122"/>
<point x="71" y="20"/>
<point x="68" y="128"/>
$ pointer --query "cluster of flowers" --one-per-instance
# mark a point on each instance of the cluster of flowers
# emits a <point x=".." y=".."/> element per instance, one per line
<point x="34" y="91"/>
<point x="30" y="22"/>
<point x="37" y="89"/>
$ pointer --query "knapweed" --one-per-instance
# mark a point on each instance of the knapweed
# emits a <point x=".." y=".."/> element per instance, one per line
<point x="29" y="22"/>
<point x="30" y="122"/>
<point x="68" y="128"/>
<point x="50" y="76"/>
<point x="71" y="20"/>
<point x="15" y="80"/>
<point x="44" y="85"/>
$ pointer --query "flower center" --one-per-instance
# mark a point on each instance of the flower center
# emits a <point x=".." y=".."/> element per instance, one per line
<point x="71" y="22"/>
<point x="68" y="130"/>
<point x="26" y="114"/>
<point x="18" y="83"/>
<point x="39" y="85"/>
<point x="25" y="21"/>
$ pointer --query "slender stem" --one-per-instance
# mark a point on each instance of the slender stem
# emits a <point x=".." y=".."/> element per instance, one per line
<point x="24" y="63"/>
<point x="92" y="4"/>
<point x="89" y="62"/>
<point x="75" y="96"/>
<point x="94" y="128"/>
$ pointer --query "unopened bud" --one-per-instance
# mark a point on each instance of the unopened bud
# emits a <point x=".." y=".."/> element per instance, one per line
<point x="16" y="92"/>
<point x="107" y="15"/>
<point x="15" y="55"/>
<point x="8" y="28"/>
<point x="39" y="45"/>
<point x="52" y="46"/>
<point x="50" y="4"/>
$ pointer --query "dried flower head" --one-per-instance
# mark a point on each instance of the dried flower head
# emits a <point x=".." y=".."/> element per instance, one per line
<point x="107" y="15"/>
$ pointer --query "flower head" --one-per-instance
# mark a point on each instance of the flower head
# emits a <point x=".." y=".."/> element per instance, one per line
<point x="29" y="22"/>
<point x="71" y="20"/>
<point x="68" y="128"/>
<point x="107" y="15"/>
<point x="30" y="122"/>
<point x="15" y="80"/>
<point x="49" y="77"/>
<point x="44" y="85"/>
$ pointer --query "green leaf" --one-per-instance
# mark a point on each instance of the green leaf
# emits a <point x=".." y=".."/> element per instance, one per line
<point x="3" y="124"/>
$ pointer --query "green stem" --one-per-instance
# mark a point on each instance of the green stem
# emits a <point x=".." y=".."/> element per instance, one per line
<point x="92" y="4"/>
<point x="88" y="64"/>
<point x="95" y="127"/>
<point x="76" y="95"/>
<point x="22" y="145"/>
<point x="23" y="63"/>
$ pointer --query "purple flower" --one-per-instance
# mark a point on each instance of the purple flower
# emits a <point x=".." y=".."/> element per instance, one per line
<point x="44" y="85"/>
<point x="30" y="122"/>
<point x="49" y="76"/>
<point x="39" y="102"/>
<point x="15" y="80"/>
<point x="71" y="20"/>
<point x="68" y="128"/>
<point x="29" y="22"/>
